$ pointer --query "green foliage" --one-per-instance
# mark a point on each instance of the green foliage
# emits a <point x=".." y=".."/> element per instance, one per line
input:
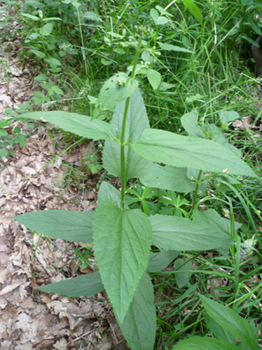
<point x="122" y="243"/>
<point x="194" y="9"/>
<point x="79" y="124"/>
<point x="142" y="197"/>
<point x="96" y="41"/>
<point x="14" y="135"/>
<point x="182" y="151"/>
<point x="159" y="261"/>
<point x="244" y="21"/>
<point x="230" y="321"/>
<point x="139" y="323"/>
<point x="53" y="91"/>
<point x="85" y="285"/>
<point x="182" y="68"/>
<point x="226" y="325"/>
<point x="169" y="233"/>
<point x="82" y="256"/>
<point x="3" y="136"/>
<point x="95" y="166"/>
<point x="198" y="343"/>
<point x="183" y="277"/>
<point x="122" y="236"/>
<point x="45" y="22"/>
<point x="71" y="226"/>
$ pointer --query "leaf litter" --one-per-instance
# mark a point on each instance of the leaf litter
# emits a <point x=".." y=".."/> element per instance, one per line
<point x="29" y="318"/>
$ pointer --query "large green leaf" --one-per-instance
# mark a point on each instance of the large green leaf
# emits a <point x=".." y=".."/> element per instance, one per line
<point x="122" y="239"/>
<point x="107" y="191"/>
<point x="3" y="153"/>
<point x="136" y="122"/>
<point x="232" y="322"/>
<point x="76" y="123"/>
<point x="194" y="9"/>
<point x="159" y="20"/>
<point x="5" y="122"/>
<point x="228" y="116"/>
<point x="176" y="233"/>
<point x="189" y="122"/>
<point x="154" y="78"/>
<point x="218" y="331"/>
<point x="69" y="225"/>
<point x="47" y="29"/>
<point x="139" y="325"/>
<point x="183" y="277"/>
<point x="77" y="287"/>
<point x="204" y="343"/>
<point x="215" y="219"/>
<point x="38" y="53"/>
<point x="3" y="132"/>
<point x="218" y="136"/>
<point x="169" y="47"/>
<point x="168" y="178"/>
<point x="159" y="261"/>
<point x="182" y="151"/>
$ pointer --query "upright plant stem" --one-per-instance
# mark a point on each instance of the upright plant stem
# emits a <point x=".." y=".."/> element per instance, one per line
<point x="122" y="155"/>
<point x="195" y="193"/>
<point x="122" y="141"/>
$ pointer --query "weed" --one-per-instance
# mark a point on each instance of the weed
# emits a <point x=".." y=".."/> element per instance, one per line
<point x="14" y="135"/>
<point x="132" y="150"/>
<point x="190" y="59"/>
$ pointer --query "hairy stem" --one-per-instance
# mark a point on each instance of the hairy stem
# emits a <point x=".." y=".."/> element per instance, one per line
<point x="195" y="193"/>
<point x="122" y="141"/>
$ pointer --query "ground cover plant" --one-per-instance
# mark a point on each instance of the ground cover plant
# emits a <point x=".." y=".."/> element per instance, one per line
<point x="176" y="174"/>
<point x="13" y="136"/>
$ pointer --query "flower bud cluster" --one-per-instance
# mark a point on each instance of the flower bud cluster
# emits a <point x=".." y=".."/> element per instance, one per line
<point x="142" y="31"/>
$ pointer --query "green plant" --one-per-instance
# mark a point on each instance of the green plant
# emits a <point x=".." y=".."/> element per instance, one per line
<point x="142" y="197"/>
<point x="53" y="91"/>
<point x="122" y="237"/>
<point x="7" y="17"/>
<point x="244" y="22"/>
<point x="14" y="136"/>
<point x="41" y="42"/>
<point x="199" y="68"/>
<point x="226" y="325"/>
<point x="82" y="257"/>
<point x="95" y="166"/>
<point x="72" y="176"/>
<point x="56" y="30"/>
<point x="3" y="137"/>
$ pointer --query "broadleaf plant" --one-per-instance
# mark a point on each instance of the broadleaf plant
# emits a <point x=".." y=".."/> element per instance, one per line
<point x="123" y="237"/>
<point x="227" y="326"/>
<point x="122" y="240"/>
